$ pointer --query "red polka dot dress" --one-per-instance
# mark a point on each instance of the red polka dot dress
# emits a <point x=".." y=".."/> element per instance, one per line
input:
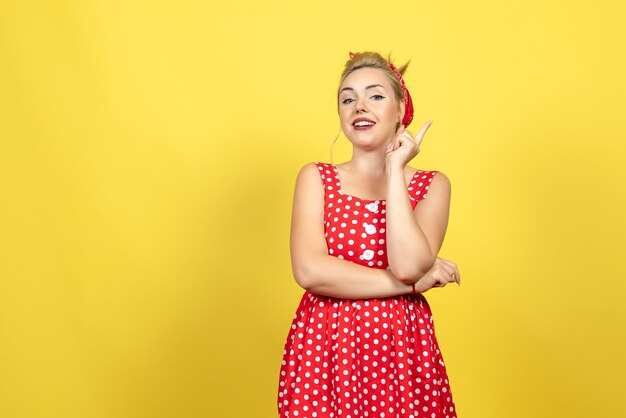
<point x="355" y="358"/>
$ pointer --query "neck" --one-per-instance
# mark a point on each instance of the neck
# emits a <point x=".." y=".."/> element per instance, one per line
<point x="370" y="163"/>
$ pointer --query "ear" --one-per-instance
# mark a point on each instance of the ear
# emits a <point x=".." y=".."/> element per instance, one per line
<point x="402" y="110"/>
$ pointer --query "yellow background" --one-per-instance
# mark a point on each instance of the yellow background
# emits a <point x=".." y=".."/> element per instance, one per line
<point x="148" y="153"/>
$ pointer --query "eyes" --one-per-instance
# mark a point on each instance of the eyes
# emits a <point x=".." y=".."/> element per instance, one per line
<point x="350" y="100"/>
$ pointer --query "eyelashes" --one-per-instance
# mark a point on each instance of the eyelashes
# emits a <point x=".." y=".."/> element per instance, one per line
<point x="350" y="100"/>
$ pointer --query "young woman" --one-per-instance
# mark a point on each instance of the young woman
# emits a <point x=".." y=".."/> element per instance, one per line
<point x="364" y="241"/>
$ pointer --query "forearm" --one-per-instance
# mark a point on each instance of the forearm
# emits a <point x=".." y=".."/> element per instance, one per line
<point x="408" y="251"/>
<point x="330" y="276"/>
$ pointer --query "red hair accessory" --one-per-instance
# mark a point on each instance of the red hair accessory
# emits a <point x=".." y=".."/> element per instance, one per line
<point x="408" y="103"/>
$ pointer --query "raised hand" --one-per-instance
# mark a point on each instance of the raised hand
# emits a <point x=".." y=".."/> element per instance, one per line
<point x="404" y="147"/>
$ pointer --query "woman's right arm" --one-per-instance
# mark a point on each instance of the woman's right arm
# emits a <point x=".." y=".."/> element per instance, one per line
<point x="319" y="272"/>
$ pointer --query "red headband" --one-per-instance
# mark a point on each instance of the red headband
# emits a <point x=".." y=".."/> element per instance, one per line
<point x="408" y="103"/>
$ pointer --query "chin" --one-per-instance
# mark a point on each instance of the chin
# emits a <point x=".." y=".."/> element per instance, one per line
<point x="369" y="142"/>
<point x="371" y="135"/>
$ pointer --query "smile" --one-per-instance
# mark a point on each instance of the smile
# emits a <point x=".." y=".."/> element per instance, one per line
<point x="363" y="124"/>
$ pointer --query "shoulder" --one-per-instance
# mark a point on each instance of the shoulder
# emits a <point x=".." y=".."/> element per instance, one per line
<point x="439" y="180"/>
<point x="311" y="177"/>
<point x="316" y="169"/>
<point x="439" y="185"/>
<point x="309" y="194"/>
<point x="431" y="181"/>
<point x="429" y="174"/>
<point x="313" y="170"/>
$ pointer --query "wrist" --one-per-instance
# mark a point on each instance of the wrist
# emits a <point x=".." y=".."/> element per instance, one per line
<point x="394" y="170"/>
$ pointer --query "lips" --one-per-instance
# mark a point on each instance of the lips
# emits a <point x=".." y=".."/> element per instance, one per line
<point x="363" y="124"/>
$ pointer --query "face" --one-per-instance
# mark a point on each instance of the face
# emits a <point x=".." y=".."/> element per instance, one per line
<point x="368" y="110"/>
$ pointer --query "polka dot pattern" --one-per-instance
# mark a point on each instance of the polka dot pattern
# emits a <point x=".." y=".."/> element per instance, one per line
<point x="355" y="358"/>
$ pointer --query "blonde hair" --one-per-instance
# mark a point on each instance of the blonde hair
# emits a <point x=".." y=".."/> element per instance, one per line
<point x="370" y="59"/>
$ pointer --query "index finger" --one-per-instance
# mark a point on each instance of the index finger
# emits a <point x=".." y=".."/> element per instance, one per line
<point x="421" y="133"/>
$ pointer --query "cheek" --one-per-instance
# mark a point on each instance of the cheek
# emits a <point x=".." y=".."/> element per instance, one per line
<point x="344" y="115"/>
<point x="392" y="114"/>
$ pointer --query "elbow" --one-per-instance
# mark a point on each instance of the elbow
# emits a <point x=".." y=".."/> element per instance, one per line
<point x="411" y="273"/>
<point x="301" y="278"/>
<point x="304" y="275"/>
<point x="409" y="276"/>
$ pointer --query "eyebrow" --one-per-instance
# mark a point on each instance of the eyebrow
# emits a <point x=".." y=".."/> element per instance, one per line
<point x="368" y="87"/>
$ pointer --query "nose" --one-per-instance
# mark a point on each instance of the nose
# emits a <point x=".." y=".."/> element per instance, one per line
<point x="360" y="106"/>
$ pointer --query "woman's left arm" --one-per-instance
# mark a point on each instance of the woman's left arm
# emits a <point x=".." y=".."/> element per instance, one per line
<point x="414" y="237"/>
